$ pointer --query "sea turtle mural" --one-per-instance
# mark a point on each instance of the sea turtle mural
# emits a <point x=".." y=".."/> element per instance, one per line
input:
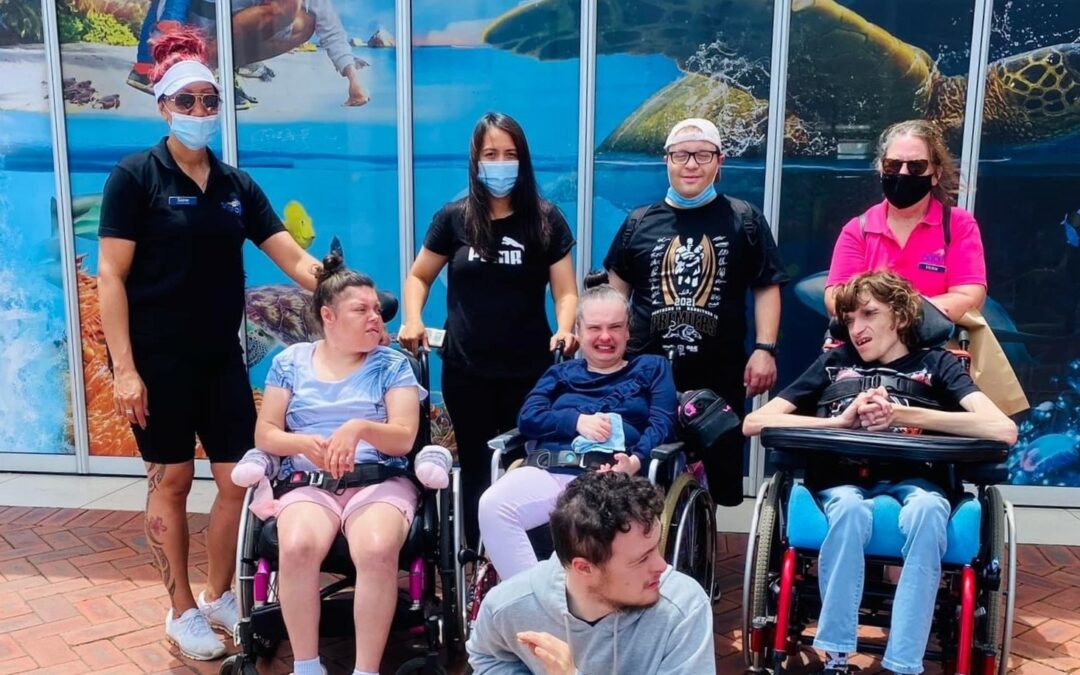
<point x="845" y="73"/>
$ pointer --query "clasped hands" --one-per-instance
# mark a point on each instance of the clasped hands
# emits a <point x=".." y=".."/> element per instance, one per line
<point x="871" y="410"/>
<point x="336" y="454"/>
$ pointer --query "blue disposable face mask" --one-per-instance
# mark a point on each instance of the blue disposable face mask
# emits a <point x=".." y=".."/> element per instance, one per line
<point x="498" y="177"/>
<point x="193" y="132"/>
<point x="704" y="197"/>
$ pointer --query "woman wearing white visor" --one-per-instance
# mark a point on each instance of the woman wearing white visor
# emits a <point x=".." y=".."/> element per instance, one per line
<point x="171" y="285"/>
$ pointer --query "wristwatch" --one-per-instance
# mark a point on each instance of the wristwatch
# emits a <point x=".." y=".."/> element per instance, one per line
<point x="769" y="347"/>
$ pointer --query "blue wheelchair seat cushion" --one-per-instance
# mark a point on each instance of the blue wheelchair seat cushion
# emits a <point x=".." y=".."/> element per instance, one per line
<point x="807" y="527"/>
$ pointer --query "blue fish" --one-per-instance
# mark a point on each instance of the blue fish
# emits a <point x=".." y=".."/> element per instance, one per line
<point x="1072" y="228"/>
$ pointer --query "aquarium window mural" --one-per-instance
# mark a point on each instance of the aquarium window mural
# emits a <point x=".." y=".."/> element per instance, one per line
<point x="316" y="120"/>
<point x="659" y="62"/>
<point x="35" y="391"/>
<point x="1029" y="211"/>
<point x="854" y="68"/>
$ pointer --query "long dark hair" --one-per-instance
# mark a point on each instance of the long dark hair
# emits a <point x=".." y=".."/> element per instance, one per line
<point x="333" y="278"/>
<point x="524" y="198"/>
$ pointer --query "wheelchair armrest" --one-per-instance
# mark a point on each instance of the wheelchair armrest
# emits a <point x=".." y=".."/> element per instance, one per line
<point x="665" y="452"/>
<point x="510" y="442"/>
<point x="884" y="445"/>
<point x="983" y="474"/>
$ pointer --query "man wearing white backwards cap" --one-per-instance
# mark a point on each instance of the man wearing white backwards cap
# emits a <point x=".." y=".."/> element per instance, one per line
<point x="687" y="262"/>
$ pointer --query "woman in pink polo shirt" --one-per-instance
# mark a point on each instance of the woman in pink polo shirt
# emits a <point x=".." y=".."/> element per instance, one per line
<point x="904" y="233"/>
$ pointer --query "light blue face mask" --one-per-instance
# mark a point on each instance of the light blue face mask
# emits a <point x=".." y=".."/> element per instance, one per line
<point x="704" y="197"/>
<point x="194" y="132"/>
<point x="499" y="177"/>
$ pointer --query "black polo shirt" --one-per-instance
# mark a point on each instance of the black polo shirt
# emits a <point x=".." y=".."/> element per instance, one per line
<point x="185" y="289"/>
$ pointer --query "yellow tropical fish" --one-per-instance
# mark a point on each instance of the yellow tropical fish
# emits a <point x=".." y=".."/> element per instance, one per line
<point x="298" y="223"/>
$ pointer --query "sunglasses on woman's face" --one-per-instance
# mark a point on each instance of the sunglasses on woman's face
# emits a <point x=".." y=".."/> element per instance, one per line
<point x="916" y="167"/>
<point x="185" y="101"/>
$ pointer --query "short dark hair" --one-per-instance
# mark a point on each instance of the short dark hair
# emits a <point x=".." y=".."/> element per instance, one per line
<point x="595" y="507"/>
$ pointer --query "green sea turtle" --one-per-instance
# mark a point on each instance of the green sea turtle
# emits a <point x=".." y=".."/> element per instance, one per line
<point x="277" y="314"/>
<point x="846" y="76"/>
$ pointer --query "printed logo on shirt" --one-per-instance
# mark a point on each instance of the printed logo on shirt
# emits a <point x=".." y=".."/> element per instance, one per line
<point x="934" y="261"/>
<point x="686" y="282"/>
<point x="232" y="206"/>
<point x="512" y="252"/>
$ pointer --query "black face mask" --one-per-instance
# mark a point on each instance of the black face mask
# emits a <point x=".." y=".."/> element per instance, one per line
<point x="902" y="189"/>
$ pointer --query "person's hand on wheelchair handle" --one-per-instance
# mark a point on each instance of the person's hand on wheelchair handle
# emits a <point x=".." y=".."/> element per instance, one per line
<point x="552" y="652"/>
<point x="568" y="340"/>
<point x="760" y="373"/>
<point x="412" y="336"/>
<point x="595" y="427"/>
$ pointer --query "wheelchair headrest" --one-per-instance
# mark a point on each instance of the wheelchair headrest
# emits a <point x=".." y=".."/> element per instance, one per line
<point x="933" y="328"/>
<point x="388" y="306"/>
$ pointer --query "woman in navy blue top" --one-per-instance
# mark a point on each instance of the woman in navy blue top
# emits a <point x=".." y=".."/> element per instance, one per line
<point x="603" y="411"/>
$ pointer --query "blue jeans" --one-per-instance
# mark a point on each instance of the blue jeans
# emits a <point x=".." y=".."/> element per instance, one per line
<point x="163" y="10"/>
<point x="924" y="516"/>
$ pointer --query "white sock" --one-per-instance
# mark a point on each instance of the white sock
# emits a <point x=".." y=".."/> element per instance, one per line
<point x="836" y="660"/>
<point x="308" y="667"/>
<point x="362" y="672"/>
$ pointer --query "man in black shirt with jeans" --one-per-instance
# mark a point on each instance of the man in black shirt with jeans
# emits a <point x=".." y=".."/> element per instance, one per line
<point x="686" y="263"/>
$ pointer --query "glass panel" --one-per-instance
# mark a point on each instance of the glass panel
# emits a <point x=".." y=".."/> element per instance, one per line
<point x="1029" y="165"/>
<point x="847" y="81"/>
<point x="317" y="130"/>
<point x="35" y="401"/>
<point x="483" y="55"/>
<point x="658" y="63"/>
<point x="110" y="113"/>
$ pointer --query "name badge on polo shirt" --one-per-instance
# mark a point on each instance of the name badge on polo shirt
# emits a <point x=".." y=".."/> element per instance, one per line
<point x="933" y="262"/>
<point x="183" y="202"/>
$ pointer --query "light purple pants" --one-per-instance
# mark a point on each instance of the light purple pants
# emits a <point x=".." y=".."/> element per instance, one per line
<point x="519" y="501"/>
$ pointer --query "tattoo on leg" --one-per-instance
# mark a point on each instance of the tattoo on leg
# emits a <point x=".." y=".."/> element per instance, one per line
<point x="156" y="528"/>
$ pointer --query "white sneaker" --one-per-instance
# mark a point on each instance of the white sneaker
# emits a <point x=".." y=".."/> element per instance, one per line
<point x="192" y="635"/>
<point x="222" y="613"/>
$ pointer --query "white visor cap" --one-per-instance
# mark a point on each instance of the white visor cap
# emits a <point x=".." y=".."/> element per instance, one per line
<point x="180" y="75"/>
<point x="693" y="129"/>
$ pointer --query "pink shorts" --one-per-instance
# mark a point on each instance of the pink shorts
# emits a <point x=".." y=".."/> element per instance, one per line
<point x="398" y="492"/>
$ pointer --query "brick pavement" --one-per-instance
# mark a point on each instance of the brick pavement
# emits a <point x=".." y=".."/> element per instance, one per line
<point x="79" y="594"/>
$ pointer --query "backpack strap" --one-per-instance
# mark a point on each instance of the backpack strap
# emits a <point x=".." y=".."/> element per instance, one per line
<point x="632" y="221"/>
<point x="745" y="215"/>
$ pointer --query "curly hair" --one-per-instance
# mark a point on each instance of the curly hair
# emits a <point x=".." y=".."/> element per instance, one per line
<point x="185" y="44"/>
<point x="595" y="507"/>
<point x="941" y="159"/>
<point x="331" y="279"/>
<point x="891" y="290"/>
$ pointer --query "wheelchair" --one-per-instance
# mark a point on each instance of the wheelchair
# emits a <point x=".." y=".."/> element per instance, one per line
<point x="425" y="611"/>
<point x="687" y="540"/>
<point x="974" y="607"/>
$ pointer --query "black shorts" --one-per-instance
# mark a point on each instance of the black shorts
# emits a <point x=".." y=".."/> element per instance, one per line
<point x="189" y="395"/>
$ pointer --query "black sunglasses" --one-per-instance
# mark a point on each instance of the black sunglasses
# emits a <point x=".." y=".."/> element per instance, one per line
<point x="186" y="101"/>
<point x="916" y="167"/>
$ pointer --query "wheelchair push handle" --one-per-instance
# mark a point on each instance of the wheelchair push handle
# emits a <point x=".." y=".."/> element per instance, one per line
<point x="559" y="353"/>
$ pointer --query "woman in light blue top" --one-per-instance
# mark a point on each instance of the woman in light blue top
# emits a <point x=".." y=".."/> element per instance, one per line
<point x="327" y="405"/>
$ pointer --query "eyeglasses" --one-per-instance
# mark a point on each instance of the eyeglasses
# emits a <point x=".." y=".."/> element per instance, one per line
<point x="916" y="167"/>
<point x="701" y="156"/>
<point x="186" y="101"/>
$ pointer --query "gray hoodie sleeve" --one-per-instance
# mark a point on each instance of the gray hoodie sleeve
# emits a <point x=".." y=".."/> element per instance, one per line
<point x="690" y="649"/>
<point x="331" y="33"/>
<point x="489" y="652"/>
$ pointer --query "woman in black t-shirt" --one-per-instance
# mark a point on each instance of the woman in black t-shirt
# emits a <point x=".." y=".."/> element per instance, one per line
<point x="504" y="245"/>
<point x="171" y="287"/>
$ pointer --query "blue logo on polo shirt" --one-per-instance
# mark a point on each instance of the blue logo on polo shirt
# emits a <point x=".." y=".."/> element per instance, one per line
<point x="232" y="206"/>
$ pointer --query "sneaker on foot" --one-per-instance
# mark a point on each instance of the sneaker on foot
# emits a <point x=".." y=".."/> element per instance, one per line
<point x="222" y="613"/>
<point x="192" y="635"/>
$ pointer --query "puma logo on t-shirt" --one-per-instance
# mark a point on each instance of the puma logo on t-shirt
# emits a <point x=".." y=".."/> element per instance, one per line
<point x="511" y="256"/>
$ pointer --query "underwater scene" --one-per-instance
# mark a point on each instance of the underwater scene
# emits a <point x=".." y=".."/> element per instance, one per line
<point x="316" y="128"/>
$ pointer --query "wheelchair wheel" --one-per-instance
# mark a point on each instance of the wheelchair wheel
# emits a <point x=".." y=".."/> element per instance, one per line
<point x="238" y="664"/>
<point x="452" y="637"/>
<point x="688" y="540"/>
<point x="996" y="624"/>
<point x="762" y="548"/>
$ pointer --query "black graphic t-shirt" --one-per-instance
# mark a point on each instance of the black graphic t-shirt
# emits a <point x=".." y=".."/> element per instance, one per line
<point x="938" y="369"/>
<point x="689" y="271"/>
<point x="496" y="320"/>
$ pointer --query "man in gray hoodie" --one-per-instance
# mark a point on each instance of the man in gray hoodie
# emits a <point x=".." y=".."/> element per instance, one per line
<point x="606" y="602"/>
